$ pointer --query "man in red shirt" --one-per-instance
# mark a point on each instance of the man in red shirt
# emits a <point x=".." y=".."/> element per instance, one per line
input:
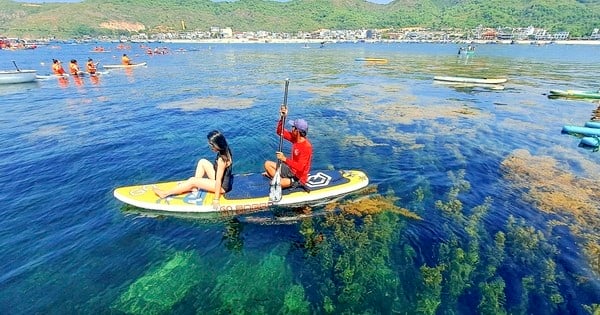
<point x="294" y="169"/>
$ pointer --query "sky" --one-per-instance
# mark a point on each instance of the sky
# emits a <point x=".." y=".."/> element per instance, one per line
<point x="48" y="1"/>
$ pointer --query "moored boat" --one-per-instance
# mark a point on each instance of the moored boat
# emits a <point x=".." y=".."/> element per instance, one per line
<point x="575" y="94"/>
<point x="17" y="76"/>
<point x="470" y="80"/>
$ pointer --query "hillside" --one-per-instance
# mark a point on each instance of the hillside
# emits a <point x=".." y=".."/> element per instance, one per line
<point x="116" y="17"/>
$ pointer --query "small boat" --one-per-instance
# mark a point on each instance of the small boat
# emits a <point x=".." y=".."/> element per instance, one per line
<point x="575" y="94"/>
<point x="17" y="76"/>
<point x="124" y="66"/>
<point x="470" y="80"/>
<point x="370" y="59"/>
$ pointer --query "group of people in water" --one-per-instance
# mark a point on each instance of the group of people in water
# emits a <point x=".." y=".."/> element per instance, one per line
<point x="90" y="66"/>
<point x="217" y="176"/>
<point x="74" y="69"/>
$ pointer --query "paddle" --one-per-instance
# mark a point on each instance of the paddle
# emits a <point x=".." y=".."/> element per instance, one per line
<point x="275" y="191"/>
<point x="14" y="63"/>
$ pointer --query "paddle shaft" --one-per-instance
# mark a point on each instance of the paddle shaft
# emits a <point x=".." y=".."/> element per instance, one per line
<point x="275" y="192"/>
<point x="285" y="94"/>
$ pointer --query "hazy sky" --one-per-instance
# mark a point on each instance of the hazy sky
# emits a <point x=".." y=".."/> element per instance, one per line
<point x="41" y="1"/>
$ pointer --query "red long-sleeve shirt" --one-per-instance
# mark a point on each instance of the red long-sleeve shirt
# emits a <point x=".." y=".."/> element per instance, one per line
<point x="301" y="157"/>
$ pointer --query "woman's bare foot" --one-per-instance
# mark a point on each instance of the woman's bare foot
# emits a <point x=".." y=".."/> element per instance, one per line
<point x="159" y="192"/>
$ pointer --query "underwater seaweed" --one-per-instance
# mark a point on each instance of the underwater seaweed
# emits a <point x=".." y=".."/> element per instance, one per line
<point x="162" y="287"/>
<point x="260" y="287"/>
<point x="429" y="297"/>
<point x="352" y="264"/>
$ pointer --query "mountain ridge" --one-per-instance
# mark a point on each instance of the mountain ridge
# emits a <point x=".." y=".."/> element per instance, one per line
<point x="94" y="17"/>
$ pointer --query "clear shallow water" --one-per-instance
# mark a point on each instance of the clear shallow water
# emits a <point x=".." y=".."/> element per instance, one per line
<point x="69" y="246"/>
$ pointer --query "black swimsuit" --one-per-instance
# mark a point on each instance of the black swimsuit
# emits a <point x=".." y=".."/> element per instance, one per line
<point x="227" y="182"/>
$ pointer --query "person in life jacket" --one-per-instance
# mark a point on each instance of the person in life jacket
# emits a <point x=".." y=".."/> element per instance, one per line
<point x="57" y="68"/>
<point x="90" y="66"/>
<point x="125" y="60"/>
<point x="74" y="67"/>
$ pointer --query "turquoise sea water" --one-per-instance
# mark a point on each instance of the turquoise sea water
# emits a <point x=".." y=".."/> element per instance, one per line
<point x="504" y="206"/>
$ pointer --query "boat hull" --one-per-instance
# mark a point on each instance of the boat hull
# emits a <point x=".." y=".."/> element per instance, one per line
<point x="14" y="76"/>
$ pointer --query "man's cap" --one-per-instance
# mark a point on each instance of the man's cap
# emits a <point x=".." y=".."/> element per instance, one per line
<point x="300" y="124"/>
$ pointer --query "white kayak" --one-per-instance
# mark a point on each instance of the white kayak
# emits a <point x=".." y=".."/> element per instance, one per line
<point x="470" y="80"/>
<point x="135" y="65"/>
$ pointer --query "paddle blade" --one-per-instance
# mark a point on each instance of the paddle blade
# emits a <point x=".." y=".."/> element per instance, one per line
<point x="275" y="191"/>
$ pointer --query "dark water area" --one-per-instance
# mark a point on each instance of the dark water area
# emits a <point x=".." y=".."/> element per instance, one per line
<point x="481" y="205"/>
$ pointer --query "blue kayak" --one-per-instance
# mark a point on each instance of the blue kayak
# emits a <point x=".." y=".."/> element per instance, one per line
<point x="593" y="124"/>
<point x="590" y="142"/>
<point x="586" y="131"/>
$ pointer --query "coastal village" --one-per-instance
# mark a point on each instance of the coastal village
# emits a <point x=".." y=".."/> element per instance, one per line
<point x="480" y="34"/>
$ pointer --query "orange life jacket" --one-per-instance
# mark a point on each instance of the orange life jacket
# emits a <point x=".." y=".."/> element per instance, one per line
<point x="91" y="67"/>
<point x="58" y="69"/>
<point x="74" y="68"/>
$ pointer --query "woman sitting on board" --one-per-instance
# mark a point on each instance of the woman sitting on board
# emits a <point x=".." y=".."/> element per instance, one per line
<point x="214" y="177"/>
<point x="295" y="168"/>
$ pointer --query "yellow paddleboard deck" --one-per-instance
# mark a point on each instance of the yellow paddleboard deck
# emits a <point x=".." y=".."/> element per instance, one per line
<point x="250" y="193"/>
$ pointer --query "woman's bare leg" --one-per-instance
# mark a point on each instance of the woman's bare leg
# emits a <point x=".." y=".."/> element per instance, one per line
<point x="205" y="168"/>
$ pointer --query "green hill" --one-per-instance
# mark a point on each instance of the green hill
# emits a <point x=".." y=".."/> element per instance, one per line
<point x="124" y="17"/>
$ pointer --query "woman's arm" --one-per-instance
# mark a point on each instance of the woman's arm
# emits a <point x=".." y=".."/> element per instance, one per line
<point x="221" y="165"/>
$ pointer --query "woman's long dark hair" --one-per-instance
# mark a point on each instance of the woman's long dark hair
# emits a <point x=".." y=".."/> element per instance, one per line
<point x="217" y="139"/>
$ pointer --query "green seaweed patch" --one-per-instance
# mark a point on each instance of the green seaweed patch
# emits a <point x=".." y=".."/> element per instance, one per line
<point x="359" y="141"/>
<point x="259" y="287"/>
<point x="161" y="288"/>
<point x="212" y="102"/>
<point x="554" y="189"/>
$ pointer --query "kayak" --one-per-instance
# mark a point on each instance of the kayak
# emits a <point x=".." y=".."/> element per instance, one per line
<point x="250" y="193"/>
<point x="124" y="66"/>
<point x="470" y="85"/>
<point x="593" y="124"/>
<point x="51" y="76"/>
<point x="575" y="94"/>
<point x="586" y="131"/>
<point x="470" y="80"/>
<point x="590" y="141"/>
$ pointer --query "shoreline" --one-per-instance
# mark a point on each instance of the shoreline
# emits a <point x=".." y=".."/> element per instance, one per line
<point x="325" y="41"/>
